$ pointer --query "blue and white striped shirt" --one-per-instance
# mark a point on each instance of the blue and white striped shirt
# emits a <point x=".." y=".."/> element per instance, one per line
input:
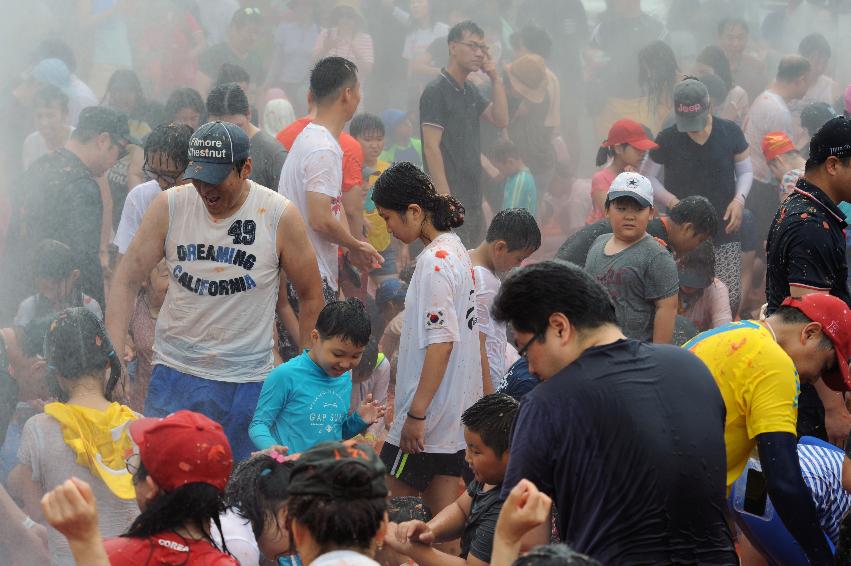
<point x="822" y="471"/>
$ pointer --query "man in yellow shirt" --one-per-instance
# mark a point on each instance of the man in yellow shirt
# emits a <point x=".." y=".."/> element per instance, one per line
<point x="758" y="366"/>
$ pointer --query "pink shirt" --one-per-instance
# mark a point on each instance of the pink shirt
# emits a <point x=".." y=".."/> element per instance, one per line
<point x="600" y="183"/>
<point x="712" y="309"/>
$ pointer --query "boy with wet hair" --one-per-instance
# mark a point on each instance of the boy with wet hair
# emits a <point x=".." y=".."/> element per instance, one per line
<point x="513" y="236"/>
<point x="636" y="270"/>
<point x="487" y="430"/>
<point x="306" y="400"/>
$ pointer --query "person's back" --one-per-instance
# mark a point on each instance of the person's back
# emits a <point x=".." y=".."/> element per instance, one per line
<point x="625" y="408"/>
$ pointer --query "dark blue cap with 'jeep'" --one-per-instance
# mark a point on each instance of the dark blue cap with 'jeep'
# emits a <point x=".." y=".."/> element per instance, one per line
<point x="213" y="150"/>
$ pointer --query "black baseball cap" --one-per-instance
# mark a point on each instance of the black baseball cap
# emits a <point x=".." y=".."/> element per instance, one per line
<point x="213" y="150"/>
<point x="102" y="119"/>
<point x="832" y="140"/>
<point x="316" y="472"/>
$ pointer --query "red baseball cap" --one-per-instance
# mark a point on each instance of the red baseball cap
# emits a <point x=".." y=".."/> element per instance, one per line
<point x="776" y="143"/>
<point x="629" y="131"/>
<point x="183" y="448"/>
<point x="835" y="319"/>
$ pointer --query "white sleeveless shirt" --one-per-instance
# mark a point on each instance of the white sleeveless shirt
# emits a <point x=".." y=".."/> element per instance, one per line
<point x="216" y="322"/>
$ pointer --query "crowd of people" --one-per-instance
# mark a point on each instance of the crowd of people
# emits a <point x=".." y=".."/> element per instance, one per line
<point x="334" y="283"/>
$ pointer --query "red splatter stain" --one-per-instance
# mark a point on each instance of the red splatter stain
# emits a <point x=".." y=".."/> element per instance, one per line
<point x="805" y="215"/>
<point x="437" y="268"/>
<point x="825" y="225"/>
<point x="219" y="269"/>
<point x="442" y="254"/>
<point x="184" y="466"/>
<point x="735" y="346"/>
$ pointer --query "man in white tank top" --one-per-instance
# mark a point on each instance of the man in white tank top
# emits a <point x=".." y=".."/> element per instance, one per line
<point x="226" y="242"/>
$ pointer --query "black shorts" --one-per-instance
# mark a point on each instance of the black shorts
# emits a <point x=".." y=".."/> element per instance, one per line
<point x="417" y="470"/>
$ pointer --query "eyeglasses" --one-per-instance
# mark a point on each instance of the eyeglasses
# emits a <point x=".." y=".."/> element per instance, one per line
<point x="525" y="349"/>
<point x="169" y="178"/>
<point x="483" y="47"/>
<point x="133" y="462"/>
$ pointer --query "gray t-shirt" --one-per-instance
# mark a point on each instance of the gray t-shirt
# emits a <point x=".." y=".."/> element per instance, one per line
<point x="267" y="156"/>
<point x="636" y="278"/>
<point x="52" y="462"/>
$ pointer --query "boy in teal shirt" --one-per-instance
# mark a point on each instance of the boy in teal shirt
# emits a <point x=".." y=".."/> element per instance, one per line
<point x="307" y="400"/>
<point x="519" y="189"/>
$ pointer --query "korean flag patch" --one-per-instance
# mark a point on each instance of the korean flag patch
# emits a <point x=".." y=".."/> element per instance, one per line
<point x="435" y="319"/>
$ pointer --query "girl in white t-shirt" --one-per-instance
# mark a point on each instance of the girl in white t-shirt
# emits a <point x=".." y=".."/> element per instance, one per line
<point x="439" y="371"/>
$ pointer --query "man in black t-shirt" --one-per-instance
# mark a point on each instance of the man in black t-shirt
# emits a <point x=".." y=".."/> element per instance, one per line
<point x="806" y="254"/>
<point x="450" y="108"/>
<point x="626" y="437"/>
<point x="245" y="27"/>
<point x="689" y="223"/>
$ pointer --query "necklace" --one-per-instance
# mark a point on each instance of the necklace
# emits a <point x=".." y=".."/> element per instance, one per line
<point x="773" y="334"/>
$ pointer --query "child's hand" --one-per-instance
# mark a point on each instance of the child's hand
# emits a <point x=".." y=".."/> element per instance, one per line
<point x="276" y="451"/>
<point x="414" y="531"/>
<point x="71" y="510"/>
<point x="370" y="411"/>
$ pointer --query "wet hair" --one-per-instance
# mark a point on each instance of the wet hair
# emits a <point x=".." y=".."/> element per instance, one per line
<point x="554" y="555"/>
<point x="31" y="336"/>
<point x="246" y="16"/>
<point x="172" y="140"/>
<point x="491" y="417"/>
<point x="815" y="115"/>
<point x="198" y="503"/>
<point x="366" y="123"/>
<point x="346" y="320"/>
<point x="713" y="57"/>
<point x="48" y="95"/>
<point x="732" y="22"/>
<point x="503" y="150"/>
<point x="405" y="184"/>
<point x="791" y="68"/>
<point x="53" y="260"/>
<point x="456" y="34"/>
<point x="341" y="522"/>
<point x="227" y="99"/>
<point x="232" y="73"/>
<point x="657" y="73"/>
<point x="791" y="315"/>
<point x="368" y="361"/>
<point x="56" y="49"/>
<point x="814" y="44"/>
<point x="183" y="98"/>
<point x="698" y="211"/>
<point x="76" y="345"/>
<point x="536" y="40"/>
<point x="258" y="489"/>
<point x="402" y="508"/>
<point x="124" y="78"/>
<point x="529" y="296"/>
<point x="517" y="228"/>
<point x="330" y="76"/>
<point x="701" y="259"/>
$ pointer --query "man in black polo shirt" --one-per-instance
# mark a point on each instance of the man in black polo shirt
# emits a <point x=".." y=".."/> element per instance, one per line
<point x="626" y="437"/>
<point x="450" y="107"/>
<point x="689" y="223"/>
<point x="806" y="254"/>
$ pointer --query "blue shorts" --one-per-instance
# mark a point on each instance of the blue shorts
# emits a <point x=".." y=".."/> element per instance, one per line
<point x="230" y="404"/>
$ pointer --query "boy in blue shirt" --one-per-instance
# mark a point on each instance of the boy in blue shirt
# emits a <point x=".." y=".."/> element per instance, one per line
<point x="307" y="400"/>
<point x="519" y="189"/>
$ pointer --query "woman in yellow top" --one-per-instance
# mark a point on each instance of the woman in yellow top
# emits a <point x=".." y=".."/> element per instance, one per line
<point x="758" y="366"/>
<point x="82" y="435"/>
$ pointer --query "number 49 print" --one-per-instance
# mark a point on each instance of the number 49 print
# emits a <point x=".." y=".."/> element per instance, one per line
<point x="243" y="232"/>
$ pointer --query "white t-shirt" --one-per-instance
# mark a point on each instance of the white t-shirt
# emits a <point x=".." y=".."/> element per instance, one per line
<point x="137" y="202"/>
<point x="239" y="538"/>
<point x="496" y="340"/>
<point x="315" y="164"/>
<point x="768" y="113"/>
<point x="344" y="558"/>
<point x="440" y="307"/>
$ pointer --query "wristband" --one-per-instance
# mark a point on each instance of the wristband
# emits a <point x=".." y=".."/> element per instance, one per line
<point x="28" y="523"/>
<point x="416" y="418"/>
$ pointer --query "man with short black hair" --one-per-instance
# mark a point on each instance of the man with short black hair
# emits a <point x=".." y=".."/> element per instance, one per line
<point x="243" y="32"/>
<point x="227" y="243"/>
<point x="806" y="254"/>
<point x="608" y="413"/>
<point x="61" y="199"/>
<point x="450" y="108"/>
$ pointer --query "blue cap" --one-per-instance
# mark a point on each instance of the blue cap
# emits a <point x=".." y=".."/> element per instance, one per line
<point x="389" y="290"/>
<point x="392" y="117"/>
<point x="53" y="72"/>
<point x="213" y="150"/>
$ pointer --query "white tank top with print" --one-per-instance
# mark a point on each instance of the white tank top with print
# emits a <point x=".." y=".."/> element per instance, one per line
<point x="217" y="319"/>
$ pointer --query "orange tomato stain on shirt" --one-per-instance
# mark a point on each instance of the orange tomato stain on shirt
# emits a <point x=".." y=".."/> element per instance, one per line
<point x="734" y="346"/>
<point x="442" y="254"/>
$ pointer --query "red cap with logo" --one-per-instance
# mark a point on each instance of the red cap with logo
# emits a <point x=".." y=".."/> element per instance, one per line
<point x="183" y="448"/>
<point x="835" y="319"/>
<point x="629" y="131"/>
<point x="776" y="143"/>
